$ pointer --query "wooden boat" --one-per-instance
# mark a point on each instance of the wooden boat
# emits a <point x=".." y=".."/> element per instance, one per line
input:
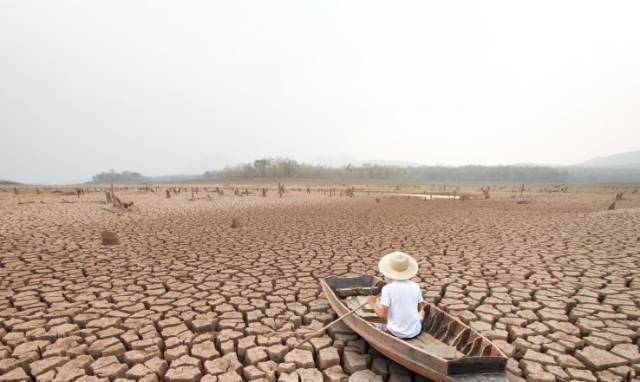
<point x="447" y="349"/>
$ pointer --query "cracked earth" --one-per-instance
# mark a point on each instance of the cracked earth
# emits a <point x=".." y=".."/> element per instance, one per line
<point x="184" y="297"/>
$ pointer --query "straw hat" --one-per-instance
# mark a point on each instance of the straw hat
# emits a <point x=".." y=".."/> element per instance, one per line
<point x="398" y="266"/>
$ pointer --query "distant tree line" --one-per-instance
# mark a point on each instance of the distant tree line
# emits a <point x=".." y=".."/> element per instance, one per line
<point x="588" y="175"/>
<point x="112" y="176"/>
<point x="282" y="168"/>
<point x="289" y="168"/>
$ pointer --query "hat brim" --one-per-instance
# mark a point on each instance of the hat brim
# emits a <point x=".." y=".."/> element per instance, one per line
<point x="385" y="268"/>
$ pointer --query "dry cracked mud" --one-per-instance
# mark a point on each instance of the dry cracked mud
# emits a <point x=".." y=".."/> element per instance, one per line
<point x="185" y="297"/>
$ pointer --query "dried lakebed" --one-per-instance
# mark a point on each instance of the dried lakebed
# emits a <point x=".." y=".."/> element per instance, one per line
<point x="185" y="297"/>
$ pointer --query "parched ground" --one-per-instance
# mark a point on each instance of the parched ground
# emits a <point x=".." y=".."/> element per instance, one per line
<point x="185" y="297"/>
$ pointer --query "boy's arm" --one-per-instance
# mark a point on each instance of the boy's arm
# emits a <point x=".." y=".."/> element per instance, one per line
<point x="380" y="310"/>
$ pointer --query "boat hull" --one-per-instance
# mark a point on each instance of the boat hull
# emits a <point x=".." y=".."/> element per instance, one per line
<point x="411" y="357"/>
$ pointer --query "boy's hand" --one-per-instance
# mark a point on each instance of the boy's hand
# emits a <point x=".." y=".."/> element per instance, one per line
<point x="380" y="310"/>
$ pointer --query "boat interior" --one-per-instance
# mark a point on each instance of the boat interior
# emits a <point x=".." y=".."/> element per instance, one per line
<point x="442" y="335"/>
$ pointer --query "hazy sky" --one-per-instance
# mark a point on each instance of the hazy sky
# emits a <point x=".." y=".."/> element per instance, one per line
<point x="184" y="86"/>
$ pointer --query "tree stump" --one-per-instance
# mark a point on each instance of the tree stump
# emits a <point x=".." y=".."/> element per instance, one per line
<point x="109" y="238"/>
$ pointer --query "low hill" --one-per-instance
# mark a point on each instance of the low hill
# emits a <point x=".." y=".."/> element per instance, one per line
<point x="8" y="183"/>
<point x="630" y="160"/>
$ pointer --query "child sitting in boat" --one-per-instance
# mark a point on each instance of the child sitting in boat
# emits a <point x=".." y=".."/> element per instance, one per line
<point x="400" y="299"/>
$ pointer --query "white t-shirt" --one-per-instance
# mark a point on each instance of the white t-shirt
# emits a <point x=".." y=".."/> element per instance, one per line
<point x="402" y="298"/>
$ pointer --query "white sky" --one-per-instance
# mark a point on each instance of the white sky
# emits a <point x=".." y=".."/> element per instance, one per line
<point x="166" y="87"/>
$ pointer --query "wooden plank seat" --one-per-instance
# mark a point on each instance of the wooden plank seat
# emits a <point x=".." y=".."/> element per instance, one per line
<point x="365" y="312"/>
<point x="432" y="345"/>
<point x="357" y="291"/>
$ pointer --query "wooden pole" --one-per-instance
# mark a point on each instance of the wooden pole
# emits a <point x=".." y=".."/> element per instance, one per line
<point x="321" y="330"/>
<point x="15" y="191"/>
